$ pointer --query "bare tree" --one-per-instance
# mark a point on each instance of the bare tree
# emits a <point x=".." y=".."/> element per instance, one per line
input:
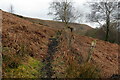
<point x="64" y="10"/>
<point x="104" y="12"/>
<point x="11" y="10"/>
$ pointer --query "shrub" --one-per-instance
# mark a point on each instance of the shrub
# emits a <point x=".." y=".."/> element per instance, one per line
<point x="86" y="70"/>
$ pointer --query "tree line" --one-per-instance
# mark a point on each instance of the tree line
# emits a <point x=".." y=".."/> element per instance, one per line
<point x="105" y="13"/>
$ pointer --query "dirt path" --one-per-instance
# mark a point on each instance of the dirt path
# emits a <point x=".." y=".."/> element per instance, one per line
<point x="52" y="48"/>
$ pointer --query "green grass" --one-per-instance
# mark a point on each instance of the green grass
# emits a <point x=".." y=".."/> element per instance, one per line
<point x="19" y="64"/>
<point x="29" y="69"/>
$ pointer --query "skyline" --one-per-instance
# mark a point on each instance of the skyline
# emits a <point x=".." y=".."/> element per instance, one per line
<point x="40" y="8"/>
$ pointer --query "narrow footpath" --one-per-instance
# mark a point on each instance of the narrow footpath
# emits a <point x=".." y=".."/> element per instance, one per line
<point x="52" y="48"/>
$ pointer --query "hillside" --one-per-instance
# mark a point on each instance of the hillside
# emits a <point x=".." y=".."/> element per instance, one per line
<point x="78" y="28"/>
<point x="32" y="50"/>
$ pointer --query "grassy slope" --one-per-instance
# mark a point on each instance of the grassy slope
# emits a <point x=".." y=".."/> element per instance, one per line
<point x="22" y="39"/>
<point x="25" y="42"/>
<point x="79" y="28"/>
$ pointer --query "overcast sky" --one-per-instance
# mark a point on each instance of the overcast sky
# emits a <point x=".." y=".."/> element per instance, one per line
<point x="37" y="8"/>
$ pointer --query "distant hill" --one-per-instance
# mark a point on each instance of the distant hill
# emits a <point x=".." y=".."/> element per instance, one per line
<point x="78" y="28"/>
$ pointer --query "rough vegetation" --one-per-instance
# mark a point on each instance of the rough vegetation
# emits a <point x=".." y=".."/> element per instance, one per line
<point x="99" y="33"/>
<point x="29" y="47"/>
<point x="78" y="28"/>
<point x="28" y="69"/>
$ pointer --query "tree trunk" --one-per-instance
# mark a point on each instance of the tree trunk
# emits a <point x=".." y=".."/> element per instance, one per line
<point x="107" y="28"/>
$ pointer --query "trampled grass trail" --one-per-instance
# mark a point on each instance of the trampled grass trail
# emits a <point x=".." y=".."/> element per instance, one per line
<point x="52" y="48"/>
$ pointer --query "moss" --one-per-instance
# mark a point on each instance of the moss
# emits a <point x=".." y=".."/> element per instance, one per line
<point x="29" y="69"/>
